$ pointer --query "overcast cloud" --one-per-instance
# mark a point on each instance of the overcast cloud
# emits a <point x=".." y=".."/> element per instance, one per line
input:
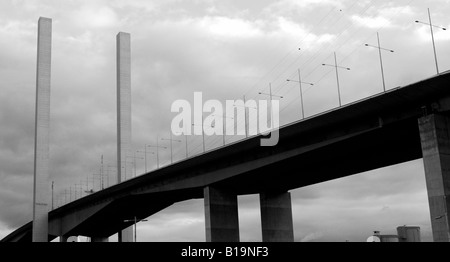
<point x="225" y="49"/>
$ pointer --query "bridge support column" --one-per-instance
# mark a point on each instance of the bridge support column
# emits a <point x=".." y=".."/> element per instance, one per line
<point x="63" y="239"/>
<point x="276" y="217"/>
<point x="41" y="189"/>
<point x="435" y="138"/>
<point x="124" y="166"/>
<point x="221" y="215"/>
<point x="99" y="239"/>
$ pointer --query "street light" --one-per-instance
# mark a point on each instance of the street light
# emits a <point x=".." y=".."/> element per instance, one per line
<point x="203" y="135"/>
<point x="157" y="150"/>
<point x="301" y="90"/>
<point x="381" y="59"/>
<point x="432" y="37"/>
<point x="70" y="189"/>
<point x="100" y="180"/>
<point x="76" y="191"/>
<point x="223" y="124"/>
<point x="81" y="188"/>
<point x="87" y="185"/>
<point x="53" y="183"/>
<point x="336" y="66"/>
<point x="145" y="156"/>
<point x="108" y="169"/>
<point x="134" y="157"/>
<point x="101" y="172"/>
<point x="186" y="142"/>
<point x="171" y="145"/>
<point x="135" y="220"/>
<point x="65" y="196"/>
<point x="271" y="99"/>
<point x="124" y="166"/>
<point x="245" y="114"/>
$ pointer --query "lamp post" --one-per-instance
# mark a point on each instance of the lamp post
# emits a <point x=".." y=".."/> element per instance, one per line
<point x="224" y="117"/>
<point x="113" y="167"/>
<point x="203" y="136"/>
<point x="80" y="185"/>
<point x="171" y="145"/>
<point x="157" y="150"/>
<point x="271" y="99"/>
<point x="124" y="166"/>
<point x="76" y="191"/>
<point x="87" y="186"/>
<point x="134" y="157"/>
<point x="135" y="221"/>
<point x="145" y="156"/>
<point x="65" y="196"/>
<point x="381" y="58"/>
<point x="101" y="172"/>
<point x="53" y="183"/>
<point x="70" y="190"/>
<point x="100" y="180"/>
<point x="245" y="114"/>
<point x="432" y="37"/>
<point x="336" y="66"/>
<point x="300" y="82"/>
<point x="185" y="141"/>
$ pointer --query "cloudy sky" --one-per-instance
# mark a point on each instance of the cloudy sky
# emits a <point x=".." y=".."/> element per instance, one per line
<point x="225" y="49"/>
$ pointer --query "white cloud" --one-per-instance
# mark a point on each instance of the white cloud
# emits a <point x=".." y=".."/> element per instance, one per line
<point x="424" y="34"/>
<point x="288" y="28"/>
<point x="95" y="16"/>
<point x="312" y="237"/>
<point x="389" y="15"/>
<point x="371" y="22"/>
<point x="230" y="27"/>
<point x="288" y="6"/>
<point x="396" y="11"/>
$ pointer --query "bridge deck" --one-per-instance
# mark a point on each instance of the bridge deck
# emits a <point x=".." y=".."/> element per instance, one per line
<point x="372" y="133"/>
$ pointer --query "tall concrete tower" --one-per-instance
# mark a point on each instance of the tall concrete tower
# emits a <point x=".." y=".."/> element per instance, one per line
<point x="41" y="187"/>
<point x="124" y="161"/>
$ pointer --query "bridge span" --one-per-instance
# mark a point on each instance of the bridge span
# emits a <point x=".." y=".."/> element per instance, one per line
<point x="403" y="124"/>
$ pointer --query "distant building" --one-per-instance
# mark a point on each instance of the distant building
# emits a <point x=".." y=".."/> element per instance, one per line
<point x="389" y="238"/>
<point x="404" y="234"/>
<point x="408" y="234"/>
<point x="73" y="239"/>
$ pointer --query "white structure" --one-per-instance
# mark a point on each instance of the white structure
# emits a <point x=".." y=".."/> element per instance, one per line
<point x="124" y="161"/>
<point x="41" y="187"/>
<point x="409" y="234"/>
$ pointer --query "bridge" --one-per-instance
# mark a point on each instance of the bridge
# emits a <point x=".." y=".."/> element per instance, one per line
<point x="400" y="125"/>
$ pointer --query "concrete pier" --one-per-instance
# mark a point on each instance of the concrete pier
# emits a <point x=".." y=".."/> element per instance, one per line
<point x="221" y="215"/>
<point x="99" y="239"/>
<point x="124" y="164"/>
<point x="435" y="139"/>
<point x="276" y="217"/>
<point x="63" y="239"/>
<point x="41" y="188"/>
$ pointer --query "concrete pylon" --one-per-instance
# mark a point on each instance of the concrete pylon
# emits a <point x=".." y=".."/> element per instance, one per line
<point x="41" y="187"/>
<point x="124" y="165"/>
<point x="221" y="215"/>
<point x="276" y="217"/>
<point x="100" y="239"/>
<point x="435" y="139"/>
<point x="63" y="239"/>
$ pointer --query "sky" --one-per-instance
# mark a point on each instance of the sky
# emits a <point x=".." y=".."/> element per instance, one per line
<point x="225" y="49"/>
